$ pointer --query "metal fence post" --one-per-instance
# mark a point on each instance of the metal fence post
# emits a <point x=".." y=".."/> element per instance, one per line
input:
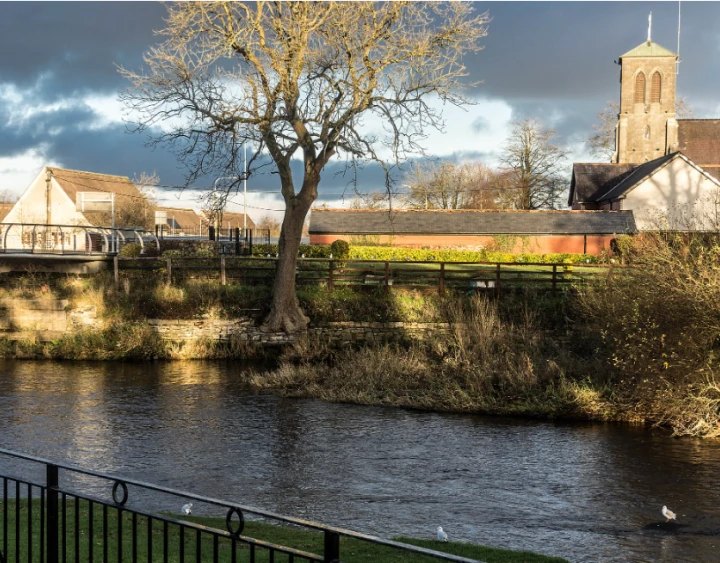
<point x="387" y="276"/>
<point x="116" y="268"/>
<point x="169" y="271"/>
<point x="330" y="275"/>
<point x="497" y="280"/>
<point x="554" y="278"/>
<point x="332" y="548"/>
<point x="222" y="270"/>
<point x="51" y="481"/>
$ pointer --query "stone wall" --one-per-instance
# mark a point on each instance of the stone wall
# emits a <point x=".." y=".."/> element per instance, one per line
<point x="246" y="329"/>
<point x="49" y="319"/>
<point x="22" y="319"/>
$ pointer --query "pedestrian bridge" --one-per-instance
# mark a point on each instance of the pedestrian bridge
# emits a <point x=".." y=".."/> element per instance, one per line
<point x="66" y="248"/>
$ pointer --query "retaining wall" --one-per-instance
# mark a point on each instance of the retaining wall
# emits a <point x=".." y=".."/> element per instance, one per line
<point x="33" y="319"/>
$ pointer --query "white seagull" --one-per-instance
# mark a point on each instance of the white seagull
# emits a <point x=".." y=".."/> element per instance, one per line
<point x="669" y="514"/>
<point x="441" y="535"/>
<point x="187" y="509"/>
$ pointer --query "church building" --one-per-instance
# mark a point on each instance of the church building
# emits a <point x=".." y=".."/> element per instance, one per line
<point x="664" y="169"/>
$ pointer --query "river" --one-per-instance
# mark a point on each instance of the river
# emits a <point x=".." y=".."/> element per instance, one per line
<point x="586" y="492"/>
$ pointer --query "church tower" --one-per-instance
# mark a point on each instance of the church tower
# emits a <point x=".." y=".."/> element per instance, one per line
<point x="647" y="128"/>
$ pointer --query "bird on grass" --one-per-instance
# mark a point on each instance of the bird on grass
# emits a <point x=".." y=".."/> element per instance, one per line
<point x="669" y="514"/>
<point x="441" y="535"/>
<point x="187" y="509"/>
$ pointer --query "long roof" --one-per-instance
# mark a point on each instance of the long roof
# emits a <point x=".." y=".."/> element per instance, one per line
<point x="469" y="222"/>
<point x="73" y="181"/>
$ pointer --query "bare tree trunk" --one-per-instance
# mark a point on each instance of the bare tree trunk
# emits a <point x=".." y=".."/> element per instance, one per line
<point x="286" y="314"/>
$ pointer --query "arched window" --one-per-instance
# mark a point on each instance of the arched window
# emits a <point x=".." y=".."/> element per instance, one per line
<point x="640" y="89"/>
<point x="655" y="87"/>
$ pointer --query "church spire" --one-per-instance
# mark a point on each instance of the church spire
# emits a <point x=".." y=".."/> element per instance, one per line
<point x="649" y="28"/>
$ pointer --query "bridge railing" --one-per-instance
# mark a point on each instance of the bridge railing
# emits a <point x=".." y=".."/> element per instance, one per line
<point x="41" y="238"/>
<point x="54" y="512"/>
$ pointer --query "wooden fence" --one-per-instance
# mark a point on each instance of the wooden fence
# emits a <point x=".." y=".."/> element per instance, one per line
<point x="468" y="276"/>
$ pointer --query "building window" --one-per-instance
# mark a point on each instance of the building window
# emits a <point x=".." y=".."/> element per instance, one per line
<point x="640" y="89"/>
<point x="655" y="87"/>
<point x="647" y="133"/>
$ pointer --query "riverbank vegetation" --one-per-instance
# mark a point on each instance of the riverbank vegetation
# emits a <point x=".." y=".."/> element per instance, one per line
<point x="352" y="550"/>
<point x="639" y="346"/>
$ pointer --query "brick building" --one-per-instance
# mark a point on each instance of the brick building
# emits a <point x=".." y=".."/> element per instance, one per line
<point x="516" y="231"/>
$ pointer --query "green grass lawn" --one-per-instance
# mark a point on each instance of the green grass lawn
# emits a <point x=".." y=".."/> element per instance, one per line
<point x="198" y="537"/>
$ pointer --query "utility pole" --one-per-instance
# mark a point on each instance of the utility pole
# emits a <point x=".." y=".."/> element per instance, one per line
<point x="48" y="181"/>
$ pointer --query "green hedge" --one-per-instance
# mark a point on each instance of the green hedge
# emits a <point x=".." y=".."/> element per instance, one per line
<point x="448" y="255"/>
<point x="425" y="255"/>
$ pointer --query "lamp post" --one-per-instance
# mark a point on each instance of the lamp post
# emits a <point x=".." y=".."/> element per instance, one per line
<point x="244" y="191"/>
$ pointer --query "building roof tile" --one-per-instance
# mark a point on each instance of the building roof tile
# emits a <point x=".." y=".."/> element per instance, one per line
<point x="469" y="222"/>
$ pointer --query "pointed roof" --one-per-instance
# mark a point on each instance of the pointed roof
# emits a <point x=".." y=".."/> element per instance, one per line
<point x="611" y="183"/>
<point x="73" y="181"/>
<point x="649" y="49"/>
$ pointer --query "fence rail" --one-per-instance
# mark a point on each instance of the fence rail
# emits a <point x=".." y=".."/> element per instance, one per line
<point x="441" y="276"/>
<point x="46" y="520"/>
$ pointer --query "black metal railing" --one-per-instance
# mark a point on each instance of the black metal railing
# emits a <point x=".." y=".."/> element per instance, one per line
<point x="65" y="513"/>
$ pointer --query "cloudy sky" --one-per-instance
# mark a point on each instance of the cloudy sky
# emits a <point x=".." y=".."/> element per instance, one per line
<point x="548" y="60"/>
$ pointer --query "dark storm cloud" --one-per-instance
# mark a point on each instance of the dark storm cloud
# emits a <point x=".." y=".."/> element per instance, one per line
<point x="566" y="50"/>
<point x="552" y="61"/>
<point x="76" y="44"/>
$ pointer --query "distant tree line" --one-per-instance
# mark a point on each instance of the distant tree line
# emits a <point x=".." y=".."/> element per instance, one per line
<point x="531" y="175"/>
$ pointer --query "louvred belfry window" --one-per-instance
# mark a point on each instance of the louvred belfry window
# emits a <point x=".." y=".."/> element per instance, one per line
<point x="640" y="89"/>
<point x="655" y="87"/>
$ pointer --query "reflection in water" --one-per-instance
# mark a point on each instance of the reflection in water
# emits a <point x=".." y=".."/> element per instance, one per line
<point x="588" y="492"/>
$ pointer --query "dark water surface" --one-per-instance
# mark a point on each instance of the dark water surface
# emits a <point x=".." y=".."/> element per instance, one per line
<point x="587" y="492"/>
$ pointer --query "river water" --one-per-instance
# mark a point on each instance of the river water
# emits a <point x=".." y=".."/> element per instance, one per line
<point x="586" y="492"/>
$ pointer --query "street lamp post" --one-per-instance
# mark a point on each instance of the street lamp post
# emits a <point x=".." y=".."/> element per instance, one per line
<point x="244" y="191"/>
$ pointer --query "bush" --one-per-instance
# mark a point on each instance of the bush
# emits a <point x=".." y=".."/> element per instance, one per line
<point x="659" y="322"/>
<point x="340" y="249"/>
<point x="130" y="250"/>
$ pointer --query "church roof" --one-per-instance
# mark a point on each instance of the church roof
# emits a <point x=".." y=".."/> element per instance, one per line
<point x="649" y="49"/>
<point x="631" y="180"/>
<point x="598" y="183"/>
<point x="592" y="179"/>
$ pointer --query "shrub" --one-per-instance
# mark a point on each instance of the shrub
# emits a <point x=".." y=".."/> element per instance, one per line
<point x="340" y="249"/>
<point x="130" y="250"/>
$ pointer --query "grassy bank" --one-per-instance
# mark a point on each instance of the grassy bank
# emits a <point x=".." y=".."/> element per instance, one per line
<point x="352" y="550"/>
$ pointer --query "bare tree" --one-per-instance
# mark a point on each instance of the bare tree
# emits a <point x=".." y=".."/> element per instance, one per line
<point x="289" y="77"/>
<point x="535" y="163"/>
<point x="267" y="223"/>
<point x="7" y="197"/>
<point x="435" y="185"/>
<point x="370" y="200"/>
<point x="488" y="188"/>
<point x="602" y="141"/>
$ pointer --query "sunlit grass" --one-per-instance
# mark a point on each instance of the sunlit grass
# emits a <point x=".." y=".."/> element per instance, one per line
<point x="148" y="543"/>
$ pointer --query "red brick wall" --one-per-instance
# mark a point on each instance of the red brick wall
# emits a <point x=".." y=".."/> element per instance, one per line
<point x="575" y="244"/>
